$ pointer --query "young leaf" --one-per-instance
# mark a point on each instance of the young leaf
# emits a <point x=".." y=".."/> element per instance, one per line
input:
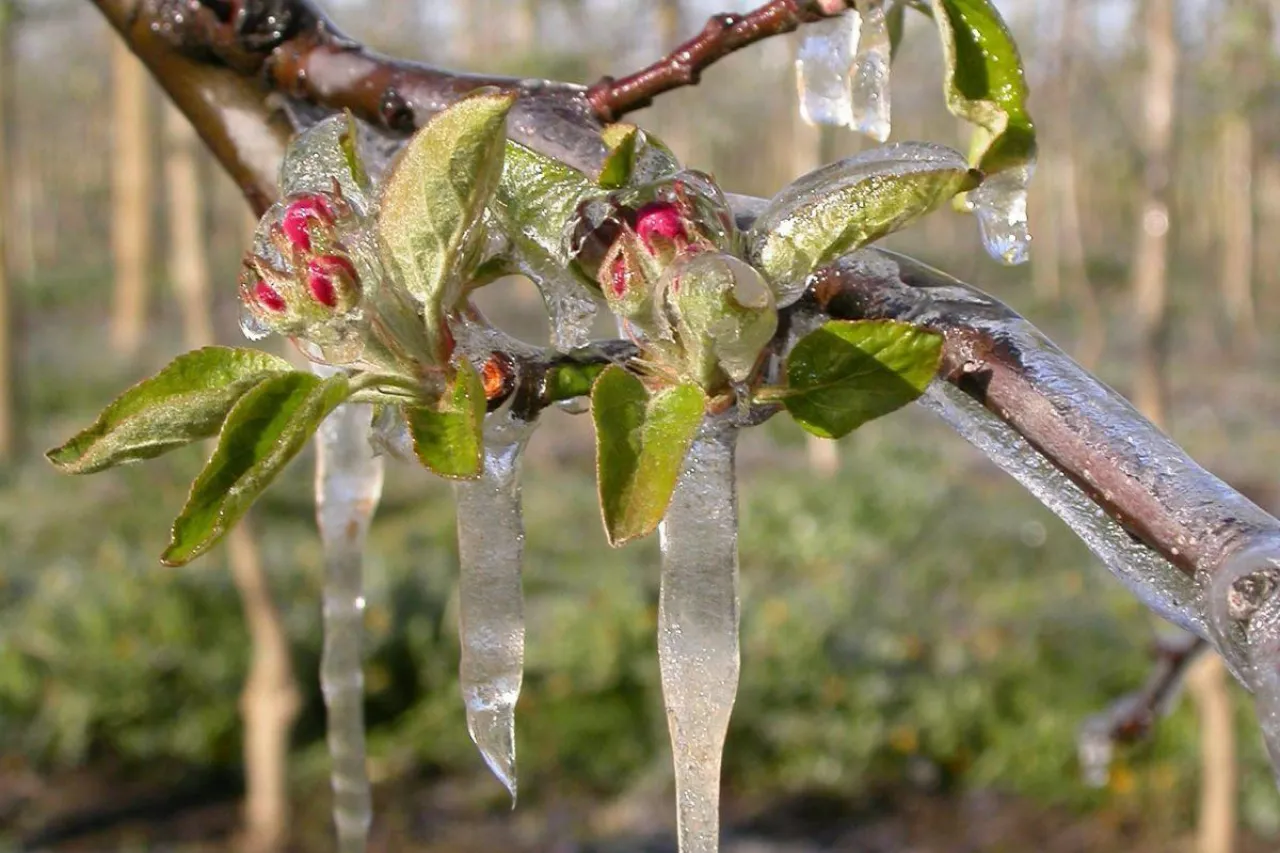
<point x="186" y="401"/>
<point x="620" y="162"/>
<point x="429" y="219"/>
<point x="848" y="204"/>
<point x="536" y="198"/>
<point x="985" y="84"/>
<point x="448" y="438"/>
<point x="322" y="154"/>
<point x="641" y="442"/>
<point x="849" y="372"/>
<point x="263" y="432"/>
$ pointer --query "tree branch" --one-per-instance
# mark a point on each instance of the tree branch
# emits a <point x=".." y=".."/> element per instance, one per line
<point x="722" y="35"/>
<point x="221" y="59"/>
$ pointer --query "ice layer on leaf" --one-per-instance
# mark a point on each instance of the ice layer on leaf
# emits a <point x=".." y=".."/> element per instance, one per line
<point x="348" y="486"/>
<point x="825" y="69"/>
<point x="698" y="628"/>
<point x="491" y="603"/>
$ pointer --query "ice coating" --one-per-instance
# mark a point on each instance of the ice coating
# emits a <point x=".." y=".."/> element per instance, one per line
<point x="869" y="85"/>
<point x="825" y="69"/>
<point x="1172" y="598"/>
<point x="698" y="628"/>
<point x="348" y="485"/>
<point x="1263" y="639"/>
<point x="817" y="196"/>
<point x="571" y="310"/>
<point x="491" y="602"/>
<point x="1000" y="204"/>
<point x="319" y="156"/>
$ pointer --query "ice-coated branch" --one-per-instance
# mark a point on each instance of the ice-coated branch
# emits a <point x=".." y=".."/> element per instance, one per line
<point x="698" y="628"/>
<point x="348" y="485"/>
<point x="722" y="35"/>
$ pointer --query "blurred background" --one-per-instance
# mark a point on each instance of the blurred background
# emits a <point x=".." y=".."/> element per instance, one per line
<point x="921" y="640"/>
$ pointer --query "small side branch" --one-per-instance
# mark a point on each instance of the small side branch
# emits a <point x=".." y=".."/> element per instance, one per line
<point x="723" y="34"/>
<point x="1132" y="718"/>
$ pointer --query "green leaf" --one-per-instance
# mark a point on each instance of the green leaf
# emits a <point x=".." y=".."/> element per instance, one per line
<point x="849" y="372"/>
<point x="641" y="442"/>
<point x="985" y="83"/>
<point x="429" y="219"/>
<point x="185" y="402"/>
<point x="620" y="162"/>
<point x="848" y="204"/>
<point x="536" y="198"/>
<point x="322" y="154"/>
<point x="895" y="22"/>
<point x="448" y="439"/>
<point x="263" y="432"/>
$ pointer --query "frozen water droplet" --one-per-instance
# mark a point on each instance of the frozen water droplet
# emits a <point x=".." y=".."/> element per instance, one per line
<point x="824" y="69"/>
<point x="348" y="486"/>
<point x="250" y="326"/>
<point x="1000" y="204"/>
<point x="1095" y="749"/>
<point x="491" y="602"/>
<point x="869" y="85"/>
<point x="698" y="629"/>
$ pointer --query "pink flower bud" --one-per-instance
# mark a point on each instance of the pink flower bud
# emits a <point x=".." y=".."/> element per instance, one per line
<point x="660" y="219"/>
<point x="332" y="279"/>
<point x="268" y="297"/>
<point x="618" y="276"/>
<point x="299" y="217"/>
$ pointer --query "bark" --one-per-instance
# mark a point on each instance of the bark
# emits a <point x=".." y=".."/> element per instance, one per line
<point x="131" y="201"/>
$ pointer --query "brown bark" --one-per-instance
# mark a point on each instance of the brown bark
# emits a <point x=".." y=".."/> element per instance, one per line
<point x="131" y="201"/>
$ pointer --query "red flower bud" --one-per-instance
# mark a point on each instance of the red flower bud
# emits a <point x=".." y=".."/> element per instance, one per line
<point x="660" y="219"/>
<point x="618" y="276"/>
<point x="268" y="297"/>
<point x="329" y="278"/>
<point x="299" y="216"/>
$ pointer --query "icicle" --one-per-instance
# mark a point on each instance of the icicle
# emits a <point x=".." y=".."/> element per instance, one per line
<point x="1095" y="749"/>
<point x="348" y="485"/>
<point x="1173" y="597"/>
<point x="825" y="68"/>
<point x="869" y="91"/>
<point x="1000" y="204"/>
<point x="491" y="610"/>
<point x="698" y="629"/>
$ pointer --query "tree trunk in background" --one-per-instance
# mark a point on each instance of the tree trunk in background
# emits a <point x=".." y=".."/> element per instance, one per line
<point x="1217" y="818"/>
<point x="8" y="404"/>
<point x="1150" y="288"/>
<point x="188" y="265"/>
<point x="269" y="699"/>
<point x="1235" y="271"/>
<point x="131" y="201"/>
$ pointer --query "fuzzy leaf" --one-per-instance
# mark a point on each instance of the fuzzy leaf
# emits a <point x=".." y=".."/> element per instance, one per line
<point x="429" y="218"/>
<point x="620" y="162"/>
<point x="448" y="438"/>
<point x="262" y="433"/>
<point x="850" y="203"/>
<point x="849" y="372"/>
<point x="185" y="402"/>
<point x="641" y="442"/>
<point x="985" y="83"/>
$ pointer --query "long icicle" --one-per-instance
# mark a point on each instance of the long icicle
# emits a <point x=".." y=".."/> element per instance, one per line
<point x="348" y="486"/>
<point x="870" y="104"/>
<point x="698" y="629"/>
<point x="491" y="601"/>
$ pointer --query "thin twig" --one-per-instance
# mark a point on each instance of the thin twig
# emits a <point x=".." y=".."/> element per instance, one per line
<point x="722" y="35"/>
<point x="1131" y="718"/>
